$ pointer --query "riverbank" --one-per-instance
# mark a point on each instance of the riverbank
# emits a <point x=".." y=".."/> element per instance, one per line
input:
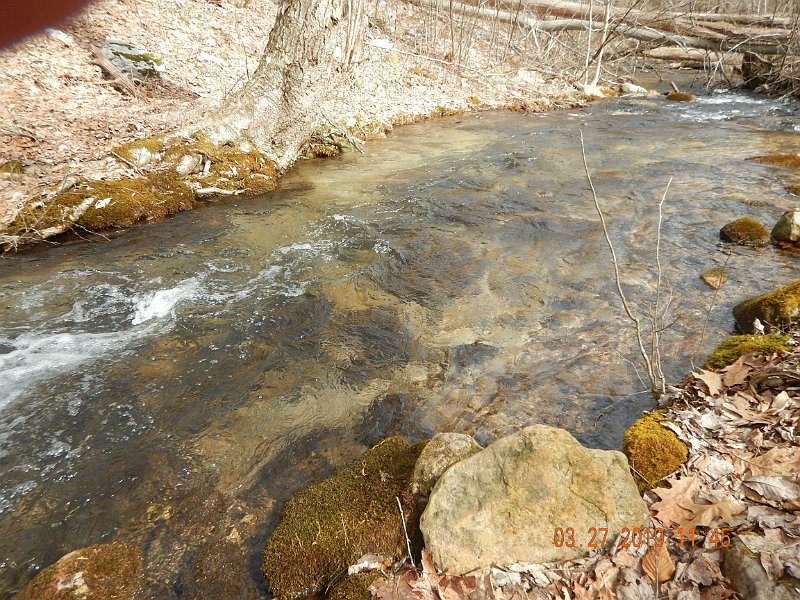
<point x="66" y="126"/>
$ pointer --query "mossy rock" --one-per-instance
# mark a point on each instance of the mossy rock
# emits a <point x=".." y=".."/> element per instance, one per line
<point x="745" y="232"/>
<point x="738" y="345"/>
<point x="679" y="97"/>
<point x="653" y="451"/>
<point x="782" y="160"/>
<point x="12" y="167"/>
<point x="793" y="188"/>
<point x="95" y="573"/>
<point x="331" y="524"/>
<point x="776" y="310"/>
<point x="714" y="277"/>
<point x="353" y="587"/>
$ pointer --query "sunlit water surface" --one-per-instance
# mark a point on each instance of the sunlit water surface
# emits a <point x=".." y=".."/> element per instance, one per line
<point x="174" y="385"/>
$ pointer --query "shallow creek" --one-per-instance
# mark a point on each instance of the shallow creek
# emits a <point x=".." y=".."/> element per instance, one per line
<point x="174" y="385"/>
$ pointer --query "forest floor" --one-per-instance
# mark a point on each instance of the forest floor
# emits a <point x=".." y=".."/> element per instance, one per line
<point x="61" y="119"/>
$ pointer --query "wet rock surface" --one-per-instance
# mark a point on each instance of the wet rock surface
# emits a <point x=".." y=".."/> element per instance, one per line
<point x="95" y="573"/>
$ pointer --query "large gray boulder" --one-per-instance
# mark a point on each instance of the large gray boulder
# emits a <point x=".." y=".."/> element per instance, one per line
<point x="503" y="504"/>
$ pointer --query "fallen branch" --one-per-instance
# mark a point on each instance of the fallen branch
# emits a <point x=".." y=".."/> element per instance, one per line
<point x="119" y="80"/>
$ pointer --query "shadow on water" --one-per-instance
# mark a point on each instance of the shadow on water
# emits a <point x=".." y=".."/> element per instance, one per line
<point x="174" y="385"/>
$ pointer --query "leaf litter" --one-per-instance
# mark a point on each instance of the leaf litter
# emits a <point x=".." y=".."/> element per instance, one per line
<point x="742" y="481"/>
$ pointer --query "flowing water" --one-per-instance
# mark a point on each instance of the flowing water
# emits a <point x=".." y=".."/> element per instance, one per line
<point x="173" y="385"/>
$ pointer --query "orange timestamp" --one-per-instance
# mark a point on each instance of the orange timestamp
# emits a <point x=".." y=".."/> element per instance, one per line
<point x="595" y="537"/>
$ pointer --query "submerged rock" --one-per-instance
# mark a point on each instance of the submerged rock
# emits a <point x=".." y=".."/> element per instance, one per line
<point x="95" y="573"/>
<point x="781" y="160"/>
<point x="329" y="525"/>
<point x="738" y="345"/>
<point x="504" y="504"/>
<point x="442" y="452"/>
<point x="714" y="277"/>
<point x="745" y="232"/>
<point x="775" y="310"/>
<point x="787" y="229"/>
<point x="652" y="450"/>
<point x="679" y="97"/>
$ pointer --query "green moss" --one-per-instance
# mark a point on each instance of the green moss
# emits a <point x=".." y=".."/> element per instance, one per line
<point x="107" y="571"/>
<point x="12" y="167"/>
<point x="137" y="151"/>
<point x="329" y="525"/>
<point x="154" y="196"/>
<point x="782" y="160"/>
<point x="653" y="451"/>
<point x="353" y="587"/>
<point x="775" y="310"/>
<point x="679" y="97"/>
<point x="745" y="232"/>
<point x="230" y="167"/>
<point x="731" y="349"/>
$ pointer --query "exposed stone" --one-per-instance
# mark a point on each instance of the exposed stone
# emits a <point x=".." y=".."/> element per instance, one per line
<point x="503" y="504"/>
<point x="95" y="573"/>
<point x="745" y="232"/>
<point x="775" y="310"/>
<point x="442" y="452"/>
<point x="136" y="63"/>
<point x="714" y="277"/>
<point x="787" y="229"/>
<point x="652" y="450"/>
<point x="751" y="580"/>
<point x="329" y="525"/>
<point x="633" y="89"/>
<point x="680" y="97"/>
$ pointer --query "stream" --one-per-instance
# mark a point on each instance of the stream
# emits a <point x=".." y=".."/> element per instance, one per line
<point x="174" y="384"/>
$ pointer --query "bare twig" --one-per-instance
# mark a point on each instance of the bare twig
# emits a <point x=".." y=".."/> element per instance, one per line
<point x="405" y="531"/>
<point x="657" y="382"/>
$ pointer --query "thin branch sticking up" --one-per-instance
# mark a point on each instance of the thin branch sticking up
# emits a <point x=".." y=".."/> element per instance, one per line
<point x="654" y="371"/>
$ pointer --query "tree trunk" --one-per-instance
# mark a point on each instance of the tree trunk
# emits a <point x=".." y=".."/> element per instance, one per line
<point x="276" y="110"/>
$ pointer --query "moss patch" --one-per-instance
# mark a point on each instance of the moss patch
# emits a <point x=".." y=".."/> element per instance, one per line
<point x="775" y="310"/>
<point x="731" y="349"/>
<point x="12" y="167"/>
<point x="353" y="587"/>
<point x="782" y="160"/>
<point x="745" y="232"/>
<point x="329" y="525"/>
<point x="679" y="97"/>
<point x="653" y="451"/>
<point x="95" y="573"/>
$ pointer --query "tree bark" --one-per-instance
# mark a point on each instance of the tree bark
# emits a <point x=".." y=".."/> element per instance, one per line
<point x="277" y="109"/>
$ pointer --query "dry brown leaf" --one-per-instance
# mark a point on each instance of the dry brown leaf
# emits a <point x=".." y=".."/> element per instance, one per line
<point x="712" y="380"/>
<point x="704" y="571"/>
<point x="658" y="565"/>
<point x="737" y="373"/>
<point x="717" y="592"/>
<point x="775" y="491"/>
<point x="783" y="462"/>
<point x="669" y="510"/>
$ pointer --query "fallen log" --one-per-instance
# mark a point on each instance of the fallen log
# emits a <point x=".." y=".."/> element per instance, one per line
<point x="656" y="30"/>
